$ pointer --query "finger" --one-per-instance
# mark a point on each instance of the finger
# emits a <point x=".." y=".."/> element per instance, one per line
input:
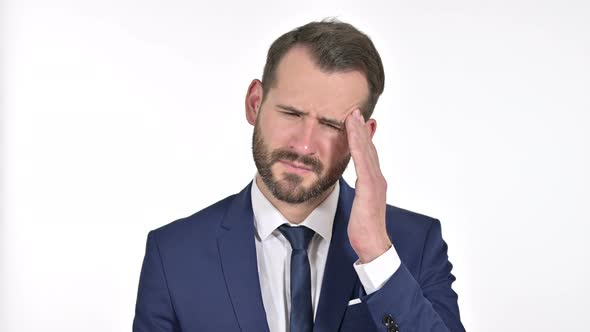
<point x="363" y="151"/>
<point x="358" y="140"/>
<point x="369" y="146"/>
<point x="354" y="134"/>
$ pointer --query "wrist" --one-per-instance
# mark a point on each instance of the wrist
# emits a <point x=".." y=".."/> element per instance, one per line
<point x="373" y="251"/>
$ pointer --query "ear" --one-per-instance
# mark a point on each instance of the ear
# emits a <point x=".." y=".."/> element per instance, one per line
<point x="253" y="101"/>
<point x="371" y="126"/>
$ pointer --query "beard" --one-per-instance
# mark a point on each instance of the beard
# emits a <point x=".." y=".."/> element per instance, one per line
<point x="288" y="187"/>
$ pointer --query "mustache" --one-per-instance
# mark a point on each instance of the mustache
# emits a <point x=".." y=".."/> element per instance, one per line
<point x="313" y="163"/>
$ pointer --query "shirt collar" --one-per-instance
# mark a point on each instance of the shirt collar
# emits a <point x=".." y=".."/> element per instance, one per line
<point x="267" y="218"/>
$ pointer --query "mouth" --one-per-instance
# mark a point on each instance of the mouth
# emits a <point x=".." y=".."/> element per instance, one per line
<point x="294" y="167"/>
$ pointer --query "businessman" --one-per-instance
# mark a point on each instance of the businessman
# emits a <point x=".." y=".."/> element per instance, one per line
<point x="298" y="249"/>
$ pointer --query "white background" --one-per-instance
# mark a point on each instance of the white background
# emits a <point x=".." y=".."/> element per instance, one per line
<point x="120" y="116"/>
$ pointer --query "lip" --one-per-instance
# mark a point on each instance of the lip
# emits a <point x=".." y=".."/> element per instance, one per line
<point x="293" y="167"/>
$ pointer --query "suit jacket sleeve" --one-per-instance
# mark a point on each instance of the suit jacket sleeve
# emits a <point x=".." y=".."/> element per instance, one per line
<point x="425" y="302"/>
<point x="153" y="310"/>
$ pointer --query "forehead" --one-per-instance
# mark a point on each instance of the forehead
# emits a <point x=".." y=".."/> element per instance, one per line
<point x="300" y="83"/>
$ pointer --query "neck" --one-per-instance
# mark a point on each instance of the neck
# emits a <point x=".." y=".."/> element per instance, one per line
<point x="294" y="213"/>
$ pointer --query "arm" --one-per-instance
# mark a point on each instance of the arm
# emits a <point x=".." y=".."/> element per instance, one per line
<point x="153" y="309"/>
<point x="424" y="303"/>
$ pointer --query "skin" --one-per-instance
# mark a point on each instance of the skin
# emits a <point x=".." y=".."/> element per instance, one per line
<point x="317" y="114"/>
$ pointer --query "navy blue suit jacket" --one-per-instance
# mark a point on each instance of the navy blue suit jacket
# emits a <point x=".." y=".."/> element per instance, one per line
<point x="200" y="274"/>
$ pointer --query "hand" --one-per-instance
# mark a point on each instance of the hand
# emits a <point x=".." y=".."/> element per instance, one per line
<point x="366" y="228"/>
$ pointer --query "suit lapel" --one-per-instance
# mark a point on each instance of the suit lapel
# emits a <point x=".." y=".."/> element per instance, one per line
<point x="339" y="274"/>
<point x="237" y="251"/>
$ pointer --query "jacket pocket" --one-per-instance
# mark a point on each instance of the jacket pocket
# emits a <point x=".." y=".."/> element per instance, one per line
<point x="357" y="318"/>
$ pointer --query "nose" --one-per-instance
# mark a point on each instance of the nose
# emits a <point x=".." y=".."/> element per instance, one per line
<point x="304" y="139"/>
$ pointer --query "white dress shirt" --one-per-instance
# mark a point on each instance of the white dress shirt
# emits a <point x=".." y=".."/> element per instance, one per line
<point x="273" y="253"/>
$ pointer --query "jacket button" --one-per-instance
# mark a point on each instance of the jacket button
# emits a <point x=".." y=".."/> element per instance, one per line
<point x="390" y="323"/>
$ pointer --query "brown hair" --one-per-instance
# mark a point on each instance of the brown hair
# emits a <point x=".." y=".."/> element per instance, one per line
<point x="334" y="46"/>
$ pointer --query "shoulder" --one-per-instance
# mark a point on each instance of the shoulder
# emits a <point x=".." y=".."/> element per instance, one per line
<point x="201" y="225"/>
<point x="412" y="234"/>
<point x="408" y="220"/>
<point x="401" y="223"/>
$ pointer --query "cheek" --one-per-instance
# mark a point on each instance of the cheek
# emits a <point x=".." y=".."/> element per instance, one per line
<point x="340" y="144"/>
<point x="336" y="149"/>
<point x="275" y="134"/>
<point x="278" y="138"/>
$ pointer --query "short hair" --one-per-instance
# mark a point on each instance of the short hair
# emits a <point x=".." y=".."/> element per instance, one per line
<point x="334" y="46"/>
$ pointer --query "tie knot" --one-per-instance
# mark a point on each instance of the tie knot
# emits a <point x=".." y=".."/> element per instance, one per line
<point x="299" y="236"/>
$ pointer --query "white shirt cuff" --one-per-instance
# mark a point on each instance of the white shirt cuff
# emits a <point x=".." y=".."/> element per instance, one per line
<point x="377" y="272"/>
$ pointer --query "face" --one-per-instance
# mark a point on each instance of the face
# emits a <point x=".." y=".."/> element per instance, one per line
<point x="299" y="144"/>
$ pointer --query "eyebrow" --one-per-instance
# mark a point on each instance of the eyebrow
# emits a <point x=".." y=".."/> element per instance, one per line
<point x="322" y="119"/>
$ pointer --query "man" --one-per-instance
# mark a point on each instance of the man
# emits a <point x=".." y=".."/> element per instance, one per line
<point x="298" y="249"/>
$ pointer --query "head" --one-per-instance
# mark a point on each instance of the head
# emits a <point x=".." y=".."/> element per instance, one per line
<point x="314" y="77"/>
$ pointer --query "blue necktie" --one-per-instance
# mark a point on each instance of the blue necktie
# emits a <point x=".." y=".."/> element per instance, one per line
<point x="301" y="310"/>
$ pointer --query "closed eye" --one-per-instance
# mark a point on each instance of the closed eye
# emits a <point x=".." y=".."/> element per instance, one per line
<point x="292" y="114"/>
<point x="295" y="113"/>
<point x="331" y="126"/>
